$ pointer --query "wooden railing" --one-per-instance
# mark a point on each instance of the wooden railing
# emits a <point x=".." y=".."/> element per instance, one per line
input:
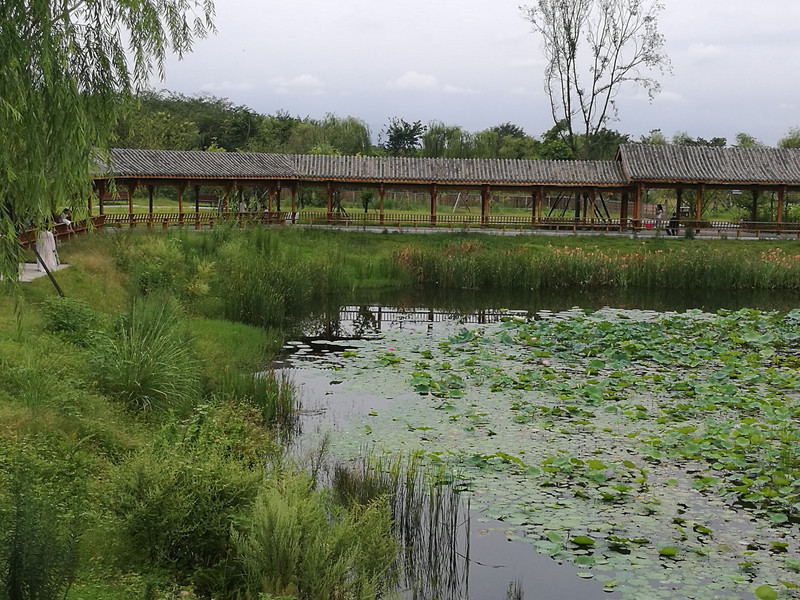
<point x="208" y="218"/>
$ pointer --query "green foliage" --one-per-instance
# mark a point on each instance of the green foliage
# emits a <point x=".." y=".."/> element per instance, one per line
<point x="174" y="506"/>
<point x="272" y="395"/>
<point x="147" y="363"/>
<point x="51" y="55"/>
<point x="299" y="544"/>
<point x="40" y="521"/>
<point x="72" y="319"/>
<point x="401" y="138"/>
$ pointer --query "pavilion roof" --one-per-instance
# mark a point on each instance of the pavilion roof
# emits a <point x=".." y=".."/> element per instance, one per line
<point x="636" y="163"/>
<point x="178" y="164"/>
<point x="700" y="164"/>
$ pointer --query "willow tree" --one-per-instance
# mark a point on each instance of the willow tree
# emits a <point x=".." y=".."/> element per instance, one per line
<point x="67" y="68"/>
<point x="593" y="48"/>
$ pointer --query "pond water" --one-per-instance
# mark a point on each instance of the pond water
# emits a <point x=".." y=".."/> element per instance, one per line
<point x="585" y="481"/>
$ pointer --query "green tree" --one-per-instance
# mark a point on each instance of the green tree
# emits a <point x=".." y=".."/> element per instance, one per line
<point x="400" y="138"/>
<point x="791" y="139"/>
<point x="593" y="48"/>
<point x="654" y="138"/>
<point x="447" y="141"/>
<point x="64" y="74"/>
<point x="745" y="140"/>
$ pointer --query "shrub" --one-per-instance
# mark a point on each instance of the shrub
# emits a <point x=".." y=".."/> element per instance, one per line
<point x="299" y="544"/>
<point x="148" y="362"/>
<point x="39" y="538"/>
<point x="72" y="319"/>
<point x="174" y="507"/>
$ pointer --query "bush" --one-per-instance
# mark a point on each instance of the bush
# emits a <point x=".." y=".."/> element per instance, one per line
<point x="148" y="362"/>
<point x="72" y="319"/>
<point x="174" y="508"/>
<point x="299" y="544"/>
<point x="39" y="533"/>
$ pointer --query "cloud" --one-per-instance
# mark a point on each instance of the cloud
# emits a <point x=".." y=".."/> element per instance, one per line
<point x="706" y="52"/>
<point x="302" y="85"/>
<point x="671" y="97"/>
<point x="452" y="89"/>
<point x="227" y="86"/>
<point x="413" y="81"/>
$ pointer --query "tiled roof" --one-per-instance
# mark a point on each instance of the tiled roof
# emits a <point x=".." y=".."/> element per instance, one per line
<point x="126" y="162"/>
<point x="458" y="170"/>
<point x="693" y="164"/>
<point x="223" y="165"/>
<point x="636" y="163"/>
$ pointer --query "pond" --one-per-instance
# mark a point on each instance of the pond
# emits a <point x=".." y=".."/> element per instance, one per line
<point x="643" y="451"/>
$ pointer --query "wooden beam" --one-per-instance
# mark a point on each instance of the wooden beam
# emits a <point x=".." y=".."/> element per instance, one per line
<point x="623" y="210"/>
<point x="329" y="192"/>
<point x="381" y="194"/>
<point x="698" y="209"/>
<point x="485" y="196"/>
<point x="434" y="196"/>
<point x="538" y="195"/>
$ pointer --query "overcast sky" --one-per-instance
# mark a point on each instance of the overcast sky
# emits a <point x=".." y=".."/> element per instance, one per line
<point x="475" y="63"/>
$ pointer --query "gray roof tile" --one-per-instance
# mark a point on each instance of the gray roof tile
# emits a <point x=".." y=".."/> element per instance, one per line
<point x="698" y="164"/>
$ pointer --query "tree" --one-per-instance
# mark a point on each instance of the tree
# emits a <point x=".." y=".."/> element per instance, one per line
<point x="401" y="138"/>
<point x="65" y="74"/>
<point x="745" y="140"/>
<point x="593" y="48"/>
<point x="791" y="139"/>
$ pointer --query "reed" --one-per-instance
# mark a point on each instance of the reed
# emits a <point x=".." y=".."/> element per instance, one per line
<point x="431" y="519"/>
<point x="299" y="544"/>
<point x="272" y="394"/>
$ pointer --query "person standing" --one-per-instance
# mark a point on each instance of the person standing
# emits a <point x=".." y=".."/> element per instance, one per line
<point x="659" y="216"/>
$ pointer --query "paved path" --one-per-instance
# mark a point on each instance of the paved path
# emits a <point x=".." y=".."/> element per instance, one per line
<point x="28" y="271"/>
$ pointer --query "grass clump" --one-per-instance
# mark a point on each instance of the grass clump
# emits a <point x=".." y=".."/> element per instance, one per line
<point x="299" y="544"/>
<point x="147" y="363"/>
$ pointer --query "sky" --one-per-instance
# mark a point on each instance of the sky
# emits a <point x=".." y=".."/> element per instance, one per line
<point x="476" y="64"/>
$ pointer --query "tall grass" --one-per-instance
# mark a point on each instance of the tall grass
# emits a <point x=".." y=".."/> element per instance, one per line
<point x="298" y="544"/>
<point x="147" y="363"/>
<point x="431" y="520"/>
<point x="480" y="266"/>
<point x="272" y="394"/>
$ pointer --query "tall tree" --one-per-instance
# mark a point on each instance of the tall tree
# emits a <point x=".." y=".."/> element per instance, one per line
<point x="401" y="138"/>
<point x="64" y="75"/>
<point x="593" y="48"/>
<point x="791" y="139"/>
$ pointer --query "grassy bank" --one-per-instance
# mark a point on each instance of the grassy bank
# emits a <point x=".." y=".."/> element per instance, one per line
<point x="138" y="455"/>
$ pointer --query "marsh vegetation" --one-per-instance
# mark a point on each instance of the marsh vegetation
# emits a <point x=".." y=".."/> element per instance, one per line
<point x="144" y="433"/>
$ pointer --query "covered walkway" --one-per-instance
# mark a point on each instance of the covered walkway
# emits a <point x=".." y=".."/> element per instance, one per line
<point x="587" y="185"/>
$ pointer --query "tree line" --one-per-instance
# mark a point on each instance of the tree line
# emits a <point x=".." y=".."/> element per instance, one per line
<point x="164" y="120"/>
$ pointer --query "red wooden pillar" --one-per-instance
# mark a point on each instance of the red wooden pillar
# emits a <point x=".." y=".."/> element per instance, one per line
<point x="781" y="194"/>
<point x="278" y="196"/>
<point x="132" y="185"/>
<point x="637" y="206"/>
<point x="229" y="187"/>
<point x="485" y="192"/>
<point x="623" y="210"/>
<point x="381" y="194"/>
<point x="329" y="192"/>
<point x="698" y="208"/>
<point x="101" y="187"/>
<point x="294" y="197"/>
<point x="434" y="197"/>
<point x="181" y="189"/>
<point x="592" y="200"/>
<point x="536" y="210"/>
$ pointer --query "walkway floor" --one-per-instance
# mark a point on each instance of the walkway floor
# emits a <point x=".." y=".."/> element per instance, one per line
<point x="29" y="271"/>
